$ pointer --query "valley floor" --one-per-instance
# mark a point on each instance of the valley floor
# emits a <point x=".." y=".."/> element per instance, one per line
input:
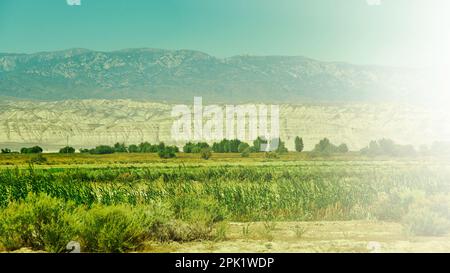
<point x="400" y="193"/>
<point x="307" y="237"/>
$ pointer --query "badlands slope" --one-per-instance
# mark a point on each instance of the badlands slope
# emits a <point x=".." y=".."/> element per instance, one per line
<point x="86" y="123"/>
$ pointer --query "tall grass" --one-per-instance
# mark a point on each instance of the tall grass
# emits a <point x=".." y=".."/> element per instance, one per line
<point x="236" y="193"/>
<point x="117" y="209"/>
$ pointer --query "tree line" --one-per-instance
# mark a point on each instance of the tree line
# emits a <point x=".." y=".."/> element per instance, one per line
<point x="161" y="149"/>
<point x="382" y="147"/>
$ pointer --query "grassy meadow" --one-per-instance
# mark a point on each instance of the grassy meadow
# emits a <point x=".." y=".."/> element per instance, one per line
<point x="295" y="202"/>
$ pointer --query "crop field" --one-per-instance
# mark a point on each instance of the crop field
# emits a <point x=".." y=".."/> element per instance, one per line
<point x="297" y="203"/>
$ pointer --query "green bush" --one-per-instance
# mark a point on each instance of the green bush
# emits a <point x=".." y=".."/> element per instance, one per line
<point x="102" y="149"/>
<point x="114" y="229"/>
<point x="271" y="155"/>
<point x="206" y="210"/>
<point x="40" y="222"/>
<point x="228" y="146"/>
<point x="387" y="147"/>
<point x="6" y="151"/>
<point x="195" y="147"/>
<point x="425" y="222"/>
<point x="246" y="152"/>
<point x="167" y="153"/>
<point x="429" y="216"/>
<point x="326" y="148"/>
<point x="38" y="159"/>
<point x="67" y="150"/>
<point x="243" y="146"/>
<point x="394" y="206"/>
<point x="32" y="150"/>
<point x="206" y="153"/>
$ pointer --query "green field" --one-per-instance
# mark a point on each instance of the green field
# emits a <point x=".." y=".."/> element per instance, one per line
<point x="296" y="202"/>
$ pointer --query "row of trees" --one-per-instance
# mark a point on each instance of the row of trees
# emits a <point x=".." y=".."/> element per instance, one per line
<point x="387" y="147"/>
<point x="25" y="150"/>
<point x="32" y="150"/>
<point x="325" y="147"/>
<point x="144" y="147"/>
<point x="232" y="146"/>
<point x="383" y="147"/>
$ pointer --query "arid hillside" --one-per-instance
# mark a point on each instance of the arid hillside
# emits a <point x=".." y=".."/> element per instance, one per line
<point x="86" y="123"/>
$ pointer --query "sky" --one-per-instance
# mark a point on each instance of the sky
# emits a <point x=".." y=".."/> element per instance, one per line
<point x="407" y="33"/>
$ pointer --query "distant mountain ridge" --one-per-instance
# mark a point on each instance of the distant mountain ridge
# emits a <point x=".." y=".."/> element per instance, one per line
<point x="178" y="75"/>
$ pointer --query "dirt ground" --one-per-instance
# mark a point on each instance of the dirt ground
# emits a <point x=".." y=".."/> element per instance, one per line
<point x="298" y="237"/>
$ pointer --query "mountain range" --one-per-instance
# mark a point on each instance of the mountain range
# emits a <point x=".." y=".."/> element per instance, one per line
<point x="179" y="75"/>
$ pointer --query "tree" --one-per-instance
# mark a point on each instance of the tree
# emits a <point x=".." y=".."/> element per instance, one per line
<point x="6" y="151"/>
<point x="32" y="150"/>
<point x="206" y="153"/>
<point x="133" y="148"/>
<point x="187" y="148"/>
<point x="102" y="149"/>
<point x="145" y="147"/>
<point x="195" y="147"/>
<point x="281" y="149"/>
<point x="325" y="147"/>
<point x="342" y="148"/>
<point x="387" y="147"/>
<point x="160" y="147"/>
<point x="257" y="144"/>
<point x="67" y="150"/>
<point x="299" y="144"/>
<point x="120" y="148"/>
<point x="234" y="145"/>
<point x="243" y="146"/>
<point x="167" y="152"/>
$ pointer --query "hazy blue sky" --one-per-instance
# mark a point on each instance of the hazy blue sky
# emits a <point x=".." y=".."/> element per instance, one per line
<point x="397" y="32"/>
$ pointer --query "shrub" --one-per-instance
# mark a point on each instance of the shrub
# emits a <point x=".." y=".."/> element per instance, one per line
<point x="242" y="147"/>
<point x="195" y="147"/>
<point x="423" y="221"/>
<point x="206" y="210"/>
<point x="167" y="152"/>
<point x="429" y="216"/>
<point x="133" y="149"/>
<point x="6" y="151"/>
<point x="388" y="147"/>
<point x="342" y="148"/>
<point x="67" y="150"/>
<point x="325" y="148"/>
<point x="257" y="144"/>
<point x="181" y="231"/>
<point x="228" y="146"/>
<point x="38" y="159"/>
<point x="206" y="153"/>
<point x="32" y="150"/>
<point x="40" y="222"/>
<point x="102" y="149"/>
<point x="120" y="148"/>
<point x="198" y="215"/>
<point x="117" y="228"/>
<point x="246" y="152"/>
<point x="271" y="155"/>
<point x="394" y="206"/>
